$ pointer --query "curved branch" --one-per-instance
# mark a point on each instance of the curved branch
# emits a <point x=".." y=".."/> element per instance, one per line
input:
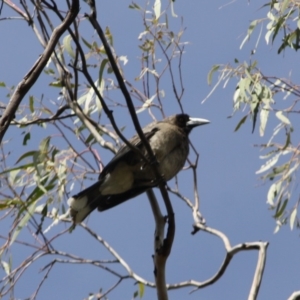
<point x="231" y="251"/>
<point x="162" y="255"/>
<point x="34" y="73"/>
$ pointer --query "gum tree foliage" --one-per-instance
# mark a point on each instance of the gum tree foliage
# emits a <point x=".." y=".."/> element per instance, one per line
<point x="90" y="91"/>
<point x="259" y="97"/>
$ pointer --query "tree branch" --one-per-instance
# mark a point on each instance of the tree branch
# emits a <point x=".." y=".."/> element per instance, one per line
<point x="34" y="73"/>
<point x="158" y="260"/>
<point x="165" y="250"/>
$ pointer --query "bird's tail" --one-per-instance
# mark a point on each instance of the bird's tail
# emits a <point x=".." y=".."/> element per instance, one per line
<point x="82" y="204"/>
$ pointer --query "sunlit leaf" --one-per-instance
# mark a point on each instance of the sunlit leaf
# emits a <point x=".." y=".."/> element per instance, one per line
<point x="269" y="164"/>
<point x="250" y="30"/>
<point x="44" y="144"/>
<point x="56" y="84"/>
<point x="283" y="118"/>
<point x="273" y="192"/>
<point x="211" y="73"/>
<point x="264" y="114"/>
<point x="6" y="266"/>
<point x="277" y="228"/>
<point x="67" y="43"/>
<point x="141" y="289"/>
<point x="124" y="59"/>
<point x="284" y="5"/>
<point x="157" y="9"/>
<point x="146" y="105"/>
<point x="268" y="34"/>
<point x="291" y="170"/>
<point x="293" y="218"/>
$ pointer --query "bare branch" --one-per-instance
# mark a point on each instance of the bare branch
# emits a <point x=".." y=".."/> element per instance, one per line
<point x="34" y="73"/>
<point x="158" y="260"/>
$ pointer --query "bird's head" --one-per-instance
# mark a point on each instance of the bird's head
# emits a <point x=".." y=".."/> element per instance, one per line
<point x="187" y="123"/>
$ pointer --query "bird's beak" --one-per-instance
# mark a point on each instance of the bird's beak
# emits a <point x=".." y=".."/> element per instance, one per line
<point x="194" y="122"/>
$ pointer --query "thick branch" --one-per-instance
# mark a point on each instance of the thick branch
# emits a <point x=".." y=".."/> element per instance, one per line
<point x="158" y="260"/>
<point x="167" y="245"/>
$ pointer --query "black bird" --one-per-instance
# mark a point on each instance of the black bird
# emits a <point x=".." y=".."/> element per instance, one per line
<point x="128" y="175"/>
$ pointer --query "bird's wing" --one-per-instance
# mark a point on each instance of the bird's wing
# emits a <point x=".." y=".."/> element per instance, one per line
<point x="126" y="153"/>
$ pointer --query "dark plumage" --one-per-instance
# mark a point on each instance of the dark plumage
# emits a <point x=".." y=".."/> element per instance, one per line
<point x="128" y="175"/>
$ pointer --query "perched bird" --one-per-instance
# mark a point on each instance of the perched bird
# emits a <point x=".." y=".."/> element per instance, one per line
<point x="128" y="175"/>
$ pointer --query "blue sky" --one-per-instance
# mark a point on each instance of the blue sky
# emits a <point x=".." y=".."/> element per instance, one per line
<point x="233" y="199"/>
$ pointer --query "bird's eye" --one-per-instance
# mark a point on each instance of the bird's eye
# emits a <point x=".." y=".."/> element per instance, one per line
<point x="181" y="120"/>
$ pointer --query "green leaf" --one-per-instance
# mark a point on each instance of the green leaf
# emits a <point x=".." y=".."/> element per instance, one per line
<point x="40" y="190"/>
<point x="283" y="118"/>
<point x="141" y="289"/>
<point x="26" y="138"/>
<point x="49" y="71"/>
<point x="31" y="104"/>
<point x="273" y="192"/>
<point x="288" y="141"/>
<point x="68" y="46"/>
<point x="87" y="43"/>
<point x="23" y="167"/>
<point x="44" y="145"/>
<point x="109" y="36"/>
<point x="293" y="218"/>
<point x="56" y="84"/>
<point x="101" y="70"/>
<point x="280" y="210"/>
<point x="134" y="6"/>
<point x="27" y="154"/>
<point x="211" y="72"/>
<point x="241" y="122"/>
<point x="157" y="9"/>
<point x="284" y="5"/>
<point x="276" y="171"/>
<point x="54" y="152"/>
<point x="8" y="203"/>
<point x="255" y="109"/>
<point x="250" y="30"/>
<point x="90" y="139"/>
<point x="264" y="114"/>
<point x="135" y="294"/>
<point x="6" y="266"/>
<point x="23" y="222"/>
<point x="269" y="164"/>
<point x="2" y="84"/>
<point x="277" y="26"/>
